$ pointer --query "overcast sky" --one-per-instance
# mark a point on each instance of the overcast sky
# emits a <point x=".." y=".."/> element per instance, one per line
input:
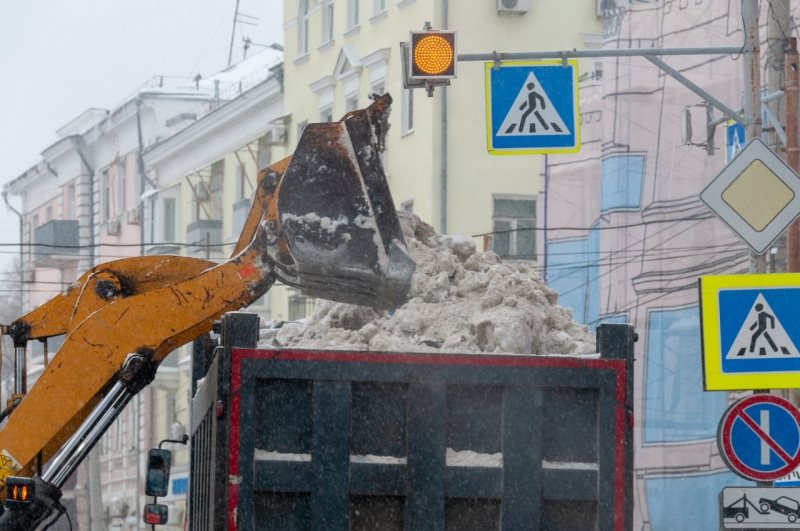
<point x="58" y="59"/>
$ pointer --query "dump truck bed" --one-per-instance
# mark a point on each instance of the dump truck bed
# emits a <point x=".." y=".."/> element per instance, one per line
<point x="312" y="440"/>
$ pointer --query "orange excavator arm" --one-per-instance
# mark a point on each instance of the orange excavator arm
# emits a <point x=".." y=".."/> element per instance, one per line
<point x="323" y="221"/>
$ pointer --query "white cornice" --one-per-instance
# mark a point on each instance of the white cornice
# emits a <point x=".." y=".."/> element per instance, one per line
<point x="375" y="57"/>
<point x="322" y="84"/>
<point x="347" y="55"/>
<point x="228" y="115"/>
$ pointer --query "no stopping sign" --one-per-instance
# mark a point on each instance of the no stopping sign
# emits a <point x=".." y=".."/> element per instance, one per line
<point x="759" y="437"/>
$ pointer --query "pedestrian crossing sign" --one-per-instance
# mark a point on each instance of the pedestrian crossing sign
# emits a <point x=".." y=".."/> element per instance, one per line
<point x="532" y="107"/>
<point x="751" y="331"/>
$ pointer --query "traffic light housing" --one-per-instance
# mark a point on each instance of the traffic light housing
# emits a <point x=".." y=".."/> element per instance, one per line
<point x="433" y="55"/>
<point x="20" y="492"/>
<point x="429" y="59"/>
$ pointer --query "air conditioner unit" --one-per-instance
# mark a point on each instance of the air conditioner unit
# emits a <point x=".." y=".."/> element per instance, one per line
<point x="518" y="6"/>
<point x="201" y="191"/>
<point x="113" y="227"/>
<point x="132" y="216"/>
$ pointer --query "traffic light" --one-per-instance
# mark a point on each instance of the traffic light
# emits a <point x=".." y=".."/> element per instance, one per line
<point x="20" y="492"/>
<point x="429" y="59"/>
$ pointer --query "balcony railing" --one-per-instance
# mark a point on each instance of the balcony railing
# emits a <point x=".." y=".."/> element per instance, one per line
<point x="56" y="243"/>
<point x="204" y="236"/>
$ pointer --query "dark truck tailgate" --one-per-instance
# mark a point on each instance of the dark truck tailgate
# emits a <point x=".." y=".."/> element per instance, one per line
<point x="359" y="441"/>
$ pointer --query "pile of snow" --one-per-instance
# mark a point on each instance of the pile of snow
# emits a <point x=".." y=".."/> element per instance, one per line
<point x="460" y="301"/>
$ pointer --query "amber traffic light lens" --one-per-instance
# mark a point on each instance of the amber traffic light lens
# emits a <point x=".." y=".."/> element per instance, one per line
<point x="433" y="55"/>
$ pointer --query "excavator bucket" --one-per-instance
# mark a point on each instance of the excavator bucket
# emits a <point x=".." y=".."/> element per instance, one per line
<point x="337" y="215"/>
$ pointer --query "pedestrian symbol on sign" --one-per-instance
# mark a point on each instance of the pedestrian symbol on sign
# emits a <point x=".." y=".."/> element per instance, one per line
<point x="532" y="100"/>
<point x="762" y="335"/>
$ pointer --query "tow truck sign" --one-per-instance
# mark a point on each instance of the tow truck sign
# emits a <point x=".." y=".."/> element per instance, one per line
<point x="759" y="508"/>
<point x="759" y="437"/>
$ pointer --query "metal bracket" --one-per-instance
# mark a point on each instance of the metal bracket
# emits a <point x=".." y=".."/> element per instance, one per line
<point x="683" y="80"/>
<point x="711" y="128"/>
<point x="776" y="123"/>
<point x="564" y="59"/>
<point x="496" y="61"/>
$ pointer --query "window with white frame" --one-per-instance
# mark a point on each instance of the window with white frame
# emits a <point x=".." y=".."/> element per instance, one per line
<point x="379" y="88"/>
<point x="407" y="111"/>
<point x="241" y="182"/>
<point x="351" y="103"/>
<point x="169" y="213"/>
<point x="105" y="196"/>
<point x="408" y="206"/>
<point x="48" y="213"/>
<point x="161" y="216"/>
<point x="378" y="6"/>
<point x="514" y="227"/>
<point x="326" y="114"/>
<point x="215" y="187"/>
<point x="327" y="21"/>
<point x="302" y="27"/>
<point x="353" y="8"/>
<point x="120" y="187"/>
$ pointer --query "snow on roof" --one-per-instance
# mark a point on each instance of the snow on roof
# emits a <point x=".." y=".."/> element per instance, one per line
<point x="82" y="122"/>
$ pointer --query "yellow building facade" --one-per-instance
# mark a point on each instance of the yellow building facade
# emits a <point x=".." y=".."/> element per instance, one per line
<point x="338" y="52"/>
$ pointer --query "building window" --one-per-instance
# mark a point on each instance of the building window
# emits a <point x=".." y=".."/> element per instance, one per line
<point x="408" y="206"/>
<point x="379" y="88"/>
<point x="675" y="406"/>
<point x="378" y="6"/>
<point x="70" y="201"/>
<point x="407" y="112"/>
<point x="326" y="114"/>
<point x="574" y="271"/>
<point x="48" y="213"/>
<point x="120" y="185"/>
<point x="241" y="182"/>
<point x="621" y="182"/>
<point x="353" y="14"/>
<point x="351" y="103"/>
<point x="300" y="306"/>
<point x="168" y="210"/>
<point x="327" y="21"/>
<point x="217" y="176"/>
<point x="514" y="227"/>
<point x="35" y="221"/>
<point x="302" y="27"/>
<point x="105" y="197"/>
<point x="264" y="151"/>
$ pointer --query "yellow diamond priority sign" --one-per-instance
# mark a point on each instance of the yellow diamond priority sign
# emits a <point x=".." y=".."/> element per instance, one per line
<point x="757" y="195"/>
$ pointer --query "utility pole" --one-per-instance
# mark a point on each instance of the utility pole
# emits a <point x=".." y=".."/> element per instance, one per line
<point x="752" y="95"/>
<point x="778" y="31"/>
<point x="792" y="88"/>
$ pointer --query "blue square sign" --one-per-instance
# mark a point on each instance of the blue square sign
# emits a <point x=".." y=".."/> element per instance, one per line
<point x="532" y="107"/>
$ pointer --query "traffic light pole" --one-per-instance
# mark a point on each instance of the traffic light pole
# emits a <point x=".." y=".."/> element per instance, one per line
<point x="650" y="54"/>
